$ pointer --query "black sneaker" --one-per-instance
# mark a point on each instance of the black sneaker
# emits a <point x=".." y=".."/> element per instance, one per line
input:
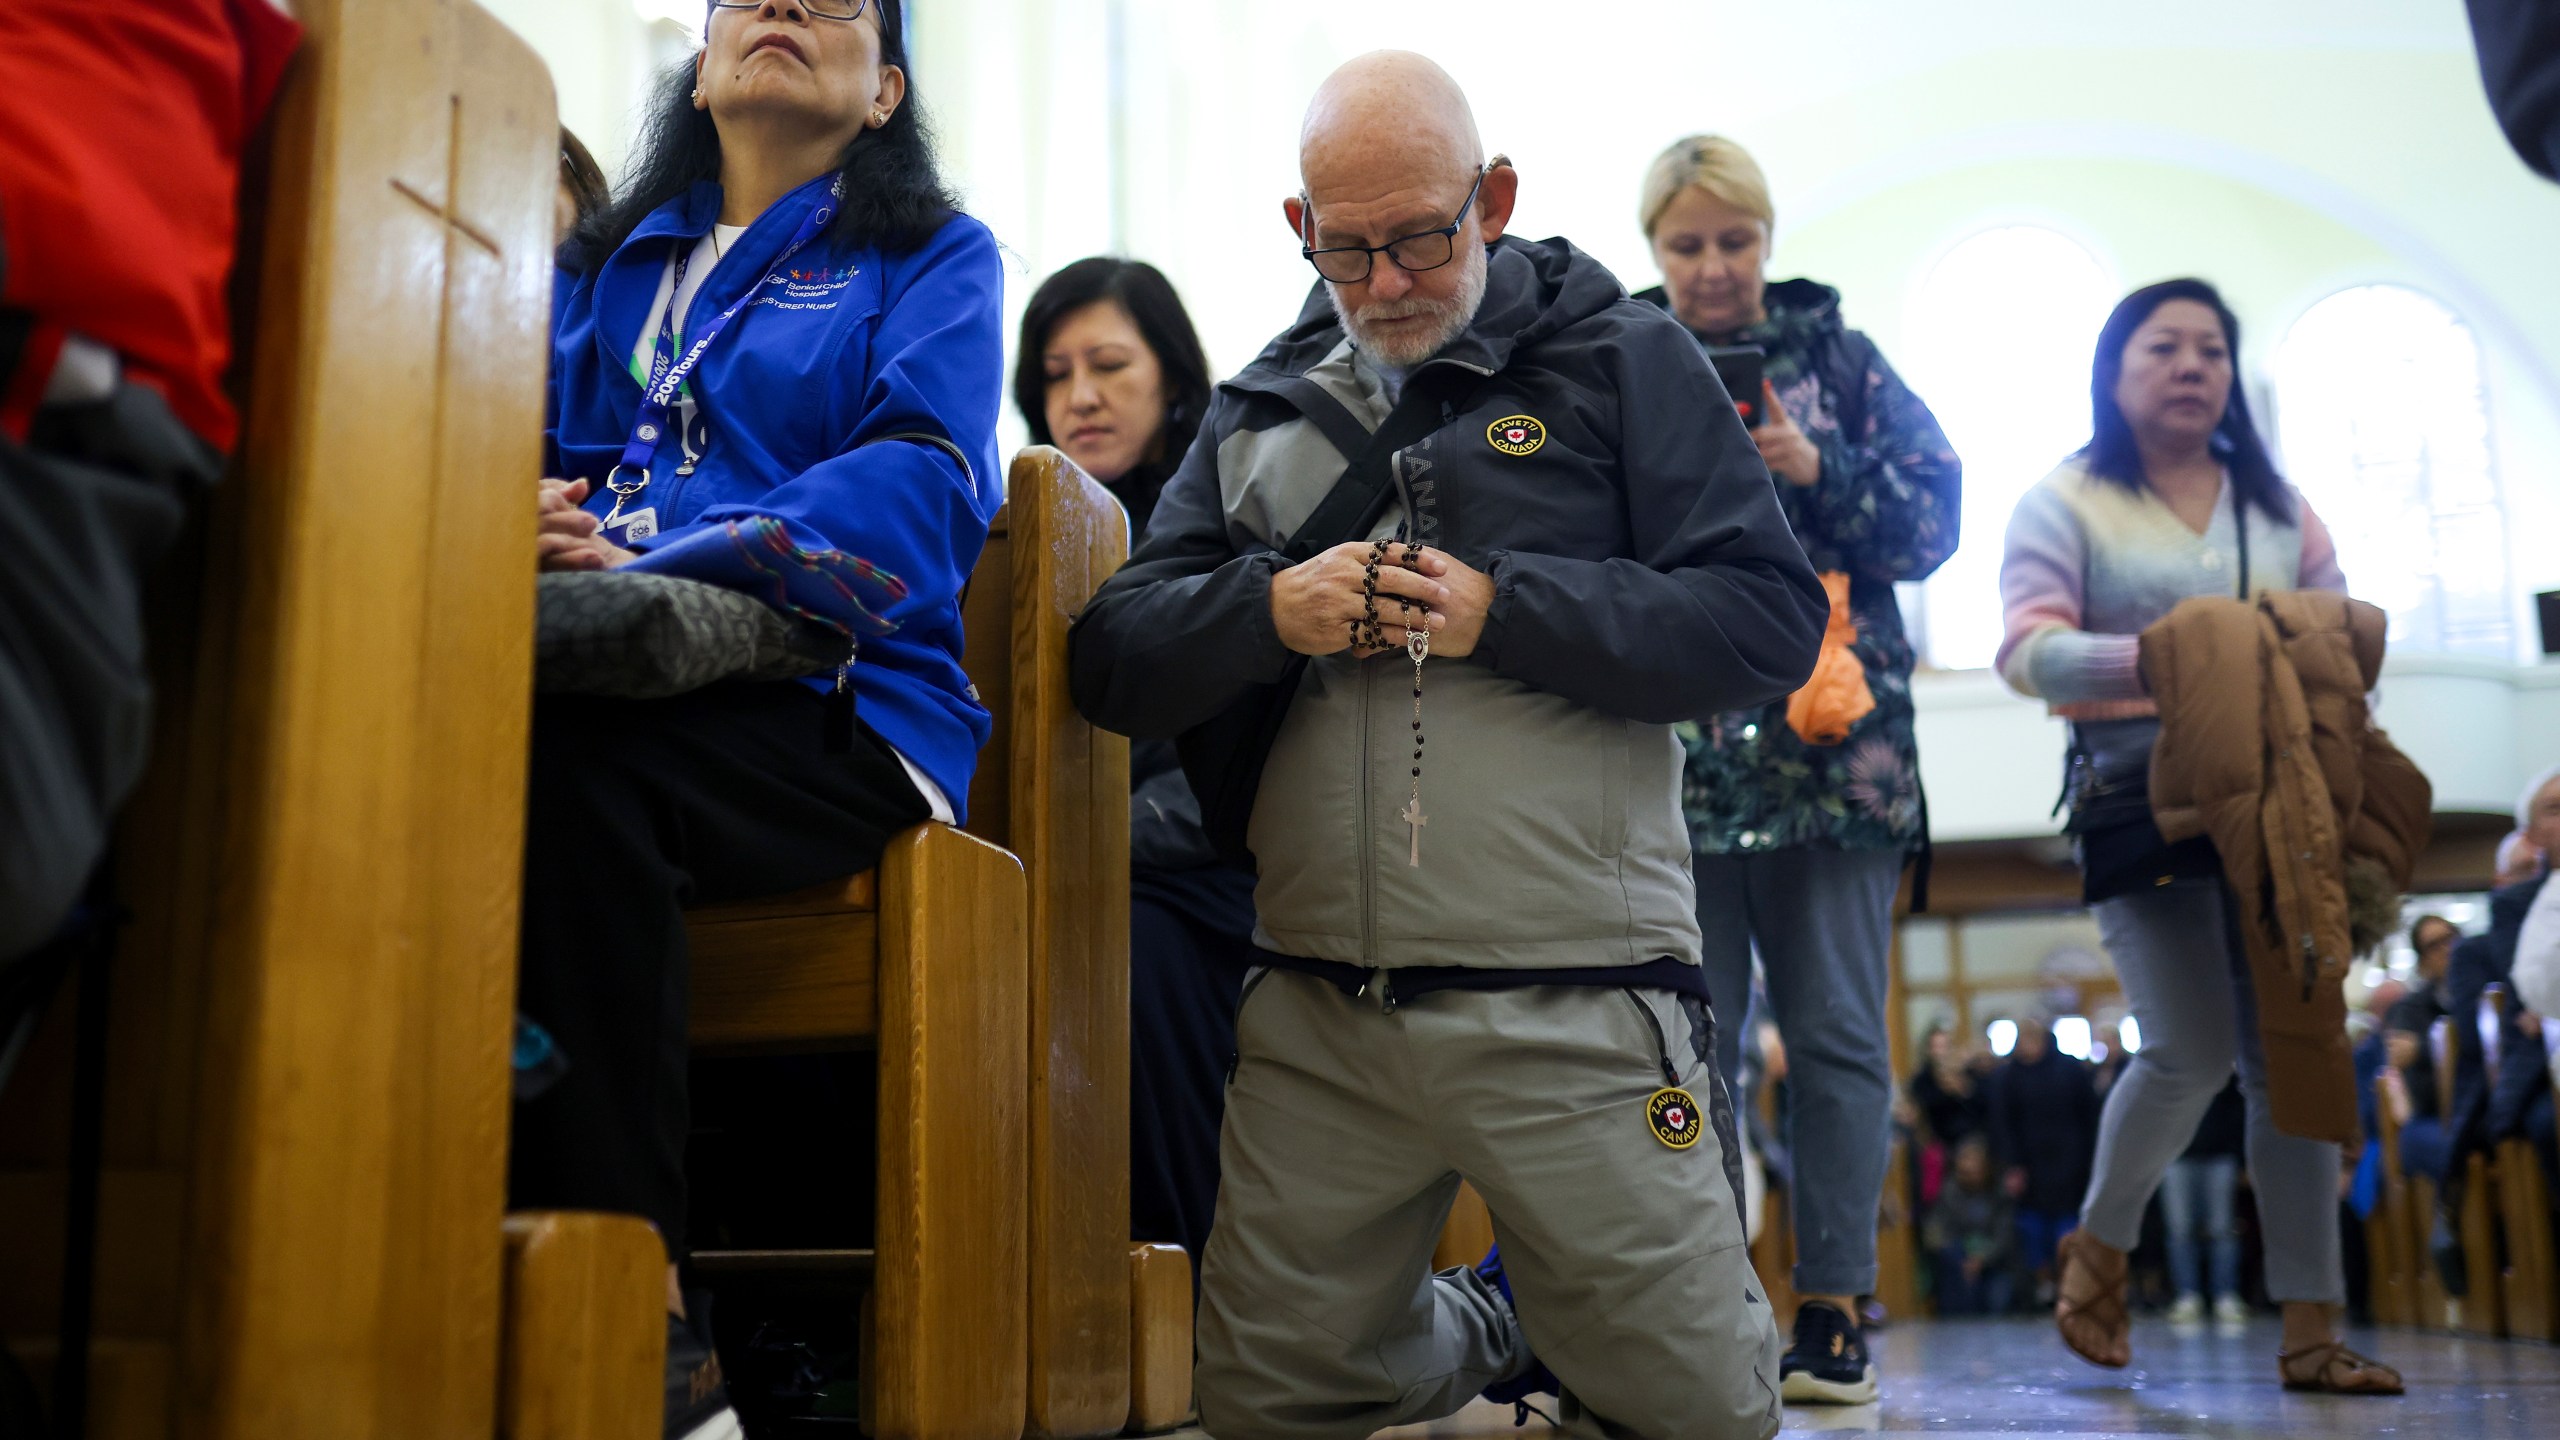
<point x="1537" y="1379"/>
<point x="1828" y="1364"/>
<point x="697" y="1403"/>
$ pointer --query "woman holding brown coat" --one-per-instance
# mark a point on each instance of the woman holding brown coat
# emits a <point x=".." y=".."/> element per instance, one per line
<point x="2175" y="496"/>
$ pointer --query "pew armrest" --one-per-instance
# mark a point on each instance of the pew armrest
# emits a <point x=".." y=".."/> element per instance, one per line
<point x="1160" y="1322"/>
<point x="793" y="972"/>
<point x="586" y="1330"/>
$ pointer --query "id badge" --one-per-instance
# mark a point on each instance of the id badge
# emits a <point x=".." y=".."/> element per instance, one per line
<point x="638" y="525"/>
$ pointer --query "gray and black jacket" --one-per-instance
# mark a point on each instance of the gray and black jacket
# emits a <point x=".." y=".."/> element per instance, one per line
<point x="1643" y="575"/>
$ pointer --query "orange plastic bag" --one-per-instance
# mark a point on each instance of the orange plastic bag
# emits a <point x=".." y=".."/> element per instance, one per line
<point x="1836" y="698"/>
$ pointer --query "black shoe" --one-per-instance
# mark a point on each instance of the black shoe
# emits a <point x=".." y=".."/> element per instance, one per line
<point x="1828" y="1364"/>
<point x="697" y="1403"/>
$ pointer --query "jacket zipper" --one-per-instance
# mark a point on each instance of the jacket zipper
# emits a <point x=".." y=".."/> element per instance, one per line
<point x="1661" y="1040"/>
<point x="1368" y="840"/>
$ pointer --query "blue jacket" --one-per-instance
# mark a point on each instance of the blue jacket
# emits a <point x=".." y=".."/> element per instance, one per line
<point x="851" y="414"/>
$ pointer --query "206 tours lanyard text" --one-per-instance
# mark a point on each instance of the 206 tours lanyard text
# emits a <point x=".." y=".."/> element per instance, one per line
<point x="668" y="371"/>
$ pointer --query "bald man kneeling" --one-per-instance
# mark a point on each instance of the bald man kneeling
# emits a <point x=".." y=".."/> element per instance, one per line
<point x="1423" y="602"/>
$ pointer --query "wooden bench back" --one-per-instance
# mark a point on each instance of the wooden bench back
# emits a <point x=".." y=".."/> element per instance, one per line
<point x="1055" y="791"/>
<point x="307" y="1105"/>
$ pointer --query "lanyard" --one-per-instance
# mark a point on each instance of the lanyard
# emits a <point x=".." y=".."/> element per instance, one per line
<point x="668" y="371"/>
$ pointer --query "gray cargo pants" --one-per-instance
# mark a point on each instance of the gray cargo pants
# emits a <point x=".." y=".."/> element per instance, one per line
<point x="1348" y="1128"/>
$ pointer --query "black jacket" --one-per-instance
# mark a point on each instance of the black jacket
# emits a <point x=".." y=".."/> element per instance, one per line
<point x="1950" y="1116"/>
<point x="2044" y="1119"/>
<point x="2519" y="45"/>
<point x="2485" y="1113"/>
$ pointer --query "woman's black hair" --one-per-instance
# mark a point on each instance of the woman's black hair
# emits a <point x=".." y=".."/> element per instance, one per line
<point x="1140" y="289"/>
<point x="2113" y="455"/>
<point x="894" y="195"/>
<point x="582" y="177"/>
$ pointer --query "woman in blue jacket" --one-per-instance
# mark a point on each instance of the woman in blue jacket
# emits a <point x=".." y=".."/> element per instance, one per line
<point x="818" y="334"/>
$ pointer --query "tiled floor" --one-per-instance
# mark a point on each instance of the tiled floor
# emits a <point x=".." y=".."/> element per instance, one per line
<point x="1955" y="1380"/>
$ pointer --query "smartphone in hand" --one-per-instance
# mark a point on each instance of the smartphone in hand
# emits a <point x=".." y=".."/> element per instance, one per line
<point x="1741" y="368"/>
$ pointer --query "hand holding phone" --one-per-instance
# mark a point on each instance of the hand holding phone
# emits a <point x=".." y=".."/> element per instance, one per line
<point x="1742" y="369"/>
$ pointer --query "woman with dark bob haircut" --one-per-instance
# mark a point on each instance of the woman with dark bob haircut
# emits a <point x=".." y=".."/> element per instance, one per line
<point x="776" y="362"/>
<point x="2174" y="496"/>
<point x="1110" y="371"/>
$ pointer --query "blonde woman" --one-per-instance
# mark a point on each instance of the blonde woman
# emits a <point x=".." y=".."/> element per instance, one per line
<point x="1799" y="844"/>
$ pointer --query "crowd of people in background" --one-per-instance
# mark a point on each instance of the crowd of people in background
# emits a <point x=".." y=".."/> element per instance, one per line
<point x="2002" y="1146"/>
<point x="1657" y="605"/>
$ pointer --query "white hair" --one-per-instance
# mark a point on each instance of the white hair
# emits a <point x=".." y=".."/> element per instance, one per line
<point x="2506" y="858"/>
<point x="2532" y="791"/>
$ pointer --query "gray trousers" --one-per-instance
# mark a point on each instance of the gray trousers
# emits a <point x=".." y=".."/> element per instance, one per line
<point x="1348" y="1128"/>
<point x="2187" y="981"/>
<point x="85" y="510"/>
<point x="1823" y="921"/>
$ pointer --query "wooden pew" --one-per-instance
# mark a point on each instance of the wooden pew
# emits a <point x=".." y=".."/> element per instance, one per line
<point x="309" y="1020"/>
<point x="1466" y="1235"/>
<point x="996" y="989"/>
<point x="922" y="959"/>
<point x="2482" y="1311"/>
<point x="2524" y="1217"/>
<point x="1055" y="791"/>
<point x="2409" y="1209"/>
<point x="2518" y="1214"/>
<point x="2391" y="1286"/>
<point x="585" y="1352"/>
<point x="1773" y="1252"/>
<point x="1159" y="1338"/>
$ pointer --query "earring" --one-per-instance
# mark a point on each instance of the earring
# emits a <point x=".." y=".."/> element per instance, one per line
<point x="697" y="95"/>
<point x="879" y="118"/>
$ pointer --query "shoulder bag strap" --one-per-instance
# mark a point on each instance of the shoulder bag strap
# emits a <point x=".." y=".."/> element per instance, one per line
<point x="2240" y="523"/>
<point x="1356" y="500"/>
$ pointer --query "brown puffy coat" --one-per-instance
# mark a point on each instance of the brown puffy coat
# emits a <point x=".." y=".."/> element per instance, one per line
<point x="2267" y="746"/>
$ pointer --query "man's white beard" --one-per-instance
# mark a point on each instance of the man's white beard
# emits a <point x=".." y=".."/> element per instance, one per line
<point x="1407" y="347"/>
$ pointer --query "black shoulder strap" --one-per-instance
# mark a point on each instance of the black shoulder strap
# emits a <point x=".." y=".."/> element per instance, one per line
<point x="2240" y="523"/>
<point x="1356" y="500"/>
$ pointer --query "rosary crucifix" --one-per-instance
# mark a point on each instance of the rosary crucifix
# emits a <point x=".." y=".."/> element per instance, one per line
<point x="1367" y="633"/>
<point x="1417" y="643"/>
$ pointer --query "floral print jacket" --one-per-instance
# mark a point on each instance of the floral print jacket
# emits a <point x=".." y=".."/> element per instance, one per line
<point x="1885" y="511"/>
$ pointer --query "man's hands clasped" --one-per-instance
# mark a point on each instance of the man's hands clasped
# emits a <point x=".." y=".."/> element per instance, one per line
<point x="1316" y="604"/>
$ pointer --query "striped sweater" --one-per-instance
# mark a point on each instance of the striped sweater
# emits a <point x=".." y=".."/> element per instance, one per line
<point x="2089" y="564"/>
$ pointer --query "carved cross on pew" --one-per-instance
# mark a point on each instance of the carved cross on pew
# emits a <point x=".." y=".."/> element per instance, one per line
<point x="457" y="230"/>
<point x="444" y="211"/>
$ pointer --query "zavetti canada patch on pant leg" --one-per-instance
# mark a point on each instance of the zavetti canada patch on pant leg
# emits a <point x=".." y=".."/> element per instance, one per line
<point x="1674" y="1118"/>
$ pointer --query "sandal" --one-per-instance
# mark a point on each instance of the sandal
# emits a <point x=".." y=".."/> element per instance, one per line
<point x="2333" y="1369"/>
<point x="2088" y="1301"/>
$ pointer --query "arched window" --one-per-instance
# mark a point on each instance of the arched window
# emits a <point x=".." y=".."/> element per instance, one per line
<point x="1998" y="346"/>
<point x="2385" y="427"/>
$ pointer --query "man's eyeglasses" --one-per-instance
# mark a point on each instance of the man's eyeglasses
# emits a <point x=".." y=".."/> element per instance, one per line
<point x="823" y="9"/>
<point x="1424" y="250"/>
